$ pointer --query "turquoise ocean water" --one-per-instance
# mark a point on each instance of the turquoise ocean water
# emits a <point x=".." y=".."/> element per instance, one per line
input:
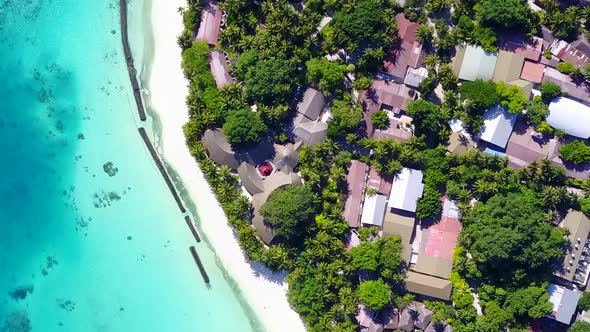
<point x="90" y="237"/>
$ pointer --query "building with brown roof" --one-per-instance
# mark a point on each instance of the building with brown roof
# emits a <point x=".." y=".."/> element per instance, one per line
<point x="407" y="53"/>
<point x="379" y="183"/>
<point x="580" y="92"/>
<point x="357" y="171"/>
<point x="525" y="147"/>
<point x="210" y="23"/>
<point x="400" y="223"/>
<point x="508" y="67"/>
<point x="218" y="65"/>
<point x="306" y="127"/>
<point x="577" y="52"/>
<point x="530" y="49"/>
<point x="393" y="98"/>
<point x="532" y="72"/>
<point x="572" y="269"/>
<point x="429" y="286"/>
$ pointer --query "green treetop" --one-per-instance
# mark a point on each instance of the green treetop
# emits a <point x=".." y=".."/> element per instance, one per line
<point x="577" y="152"/>
<point x="328" y="75"/>
<point x="512" y="232"/>
<point x="375" y="294"/>
<point x="243" y="127"/>
<point x="290" y="211"/>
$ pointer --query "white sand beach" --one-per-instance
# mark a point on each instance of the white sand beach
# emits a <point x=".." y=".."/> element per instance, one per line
<point x="264" y="292"/>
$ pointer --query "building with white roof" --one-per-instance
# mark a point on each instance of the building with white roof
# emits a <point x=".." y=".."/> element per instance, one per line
<point x="406" y="189"/>
<point x="564" y="303"/>
<point x="374" y="210"/>
<point x="570" y="116"/>
<point x="497" y="126"/>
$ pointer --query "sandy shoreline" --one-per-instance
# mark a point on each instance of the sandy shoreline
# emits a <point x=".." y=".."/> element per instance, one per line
<point x="266" y="295"/>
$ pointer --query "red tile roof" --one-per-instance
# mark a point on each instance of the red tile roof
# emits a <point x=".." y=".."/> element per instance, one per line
<point x="440" y="239"/>
<point x="532" y="71"/>
<point x="356" y="185"/>
<point x="210" y="23"/>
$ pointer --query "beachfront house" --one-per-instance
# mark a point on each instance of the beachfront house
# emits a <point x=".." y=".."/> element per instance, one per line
<point x="219" y="70"/>
<point x="211" y="18"/>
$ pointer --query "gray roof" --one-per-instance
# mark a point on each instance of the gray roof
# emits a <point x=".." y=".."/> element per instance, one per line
<point x="578" y="226"/>
<point x="250" y="178"/>
<point x="312" y="104"/>
<point x="477" y="64"/>
<point x="311" y="133"/>
<point x="286" y="156"/>
<point x="220" y="151"/>
<point x="498" y="125"/>
<point x="564" y="302"/>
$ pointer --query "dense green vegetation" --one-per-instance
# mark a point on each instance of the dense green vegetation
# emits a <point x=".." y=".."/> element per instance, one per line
<point x="290" y="211"/>
<point x="276" y="51"/>
<point x="577" y="152"/>
<point x="243" y="127"/>
<point x="580" y="327"/>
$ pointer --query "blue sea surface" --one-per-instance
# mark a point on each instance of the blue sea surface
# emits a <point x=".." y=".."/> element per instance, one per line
<point x="90" y="237"/>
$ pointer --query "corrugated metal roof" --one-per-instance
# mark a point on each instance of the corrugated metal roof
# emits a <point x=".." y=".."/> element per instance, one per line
<point x="403" y="226"/>
<point x="477" y="64"/>
<point x="508" y="67"/>
<point x="578" y="226"/>
<point x="570" y="116"/>
<point x="356" y="186"/>
<point x="430" y="286"/>
<point x="374" y="210"/>
<point x="498" y="125"/>
<point x="407" y="188"/>
<point x="564" y="302"/>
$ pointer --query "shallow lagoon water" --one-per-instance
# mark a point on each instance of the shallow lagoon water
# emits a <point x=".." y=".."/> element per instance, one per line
<point x="90" y="237"/>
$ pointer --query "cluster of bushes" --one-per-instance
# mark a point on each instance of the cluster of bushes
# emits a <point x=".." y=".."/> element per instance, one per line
<point x="577" y="152"/>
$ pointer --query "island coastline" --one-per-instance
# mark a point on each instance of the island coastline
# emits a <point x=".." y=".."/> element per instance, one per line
<point x="167" y="90"/>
